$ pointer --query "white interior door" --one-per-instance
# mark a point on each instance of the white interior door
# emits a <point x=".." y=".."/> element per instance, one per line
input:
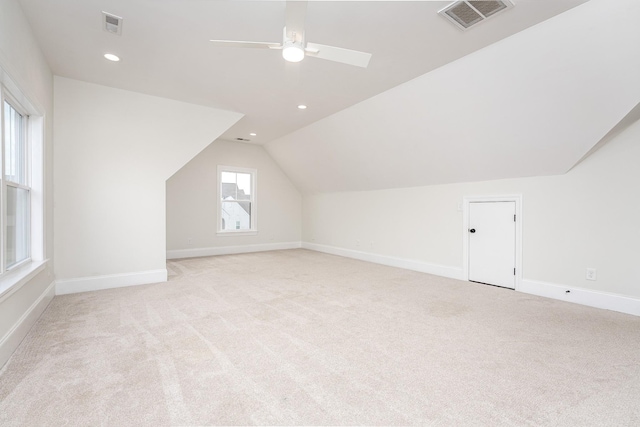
<point x="492" y="243"/>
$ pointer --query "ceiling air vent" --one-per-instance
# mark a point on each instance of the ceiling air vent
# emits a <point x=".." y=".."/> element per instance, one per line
<point x="465" y="14"/>
<point x="111" y="23"/>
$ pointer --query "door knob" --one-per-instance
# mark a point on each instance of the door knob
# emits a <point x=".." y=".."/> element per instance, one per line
<point x="473" y="230"/>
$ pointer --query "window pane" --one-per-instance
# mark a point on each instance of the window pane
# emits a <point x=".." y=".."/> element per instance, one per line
<point x="228" y="187"/>
<point x="236" y="215"/>
<point x="17" y="231"/>
<point x="244" y="183"/>
<point x="235" y="186"/>
<point x="14" y="146"/>
<point x="229" y="177"/>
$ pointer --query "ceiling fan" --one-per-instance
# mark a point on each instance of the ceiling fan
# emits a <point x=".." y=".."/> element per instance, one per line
<point x="293" y="46"/>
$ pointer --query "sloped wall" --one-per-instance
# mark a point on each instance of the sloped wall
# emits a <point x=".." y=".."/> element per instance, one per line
<point x="588" y="217"/>
<point x="114" y="151"/>
<point x="192" y="205"/>
<point x="529" y="105"/>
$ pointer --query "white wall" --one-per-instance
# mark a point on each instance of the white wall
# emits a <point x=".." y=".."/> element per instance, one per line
<point x="114" y="151"/>
<point x="589" y="217"/>
<point x="24" y="64"/>
<point x="192" y="204"/>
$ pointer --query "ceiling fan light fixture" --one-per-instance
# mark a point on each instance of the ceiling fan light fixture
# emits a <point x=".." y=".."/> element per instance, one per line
<point x="292" y="52"/>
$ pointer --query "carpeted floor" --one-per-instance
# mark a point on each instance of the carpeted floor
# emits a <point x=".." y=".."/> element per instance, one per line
<point x="299" y="337"/>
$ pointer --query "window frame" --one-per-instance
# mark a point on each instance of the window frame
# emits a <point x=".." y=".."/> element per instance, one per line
<point x="6" y="97"/>
<point x="253" y="230"/>
<point x="37" y="135"/>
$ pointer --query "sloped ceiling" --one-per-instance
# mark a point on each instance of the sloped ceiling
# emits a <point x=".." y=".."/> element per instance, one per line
<point x="532" y="104"/>
<point x="631" y="117"/>
<point x="165" y="51"/>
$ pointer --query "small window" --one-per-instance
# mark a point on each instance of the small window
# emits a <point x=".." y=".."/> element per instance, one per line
<point x="236" y="200"/>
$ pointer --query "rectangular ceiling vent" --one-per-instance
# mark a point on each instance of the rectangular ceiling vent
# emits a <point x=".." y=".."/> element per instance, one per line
<point x="111" y="23"/>
<point x="467" y="13"/>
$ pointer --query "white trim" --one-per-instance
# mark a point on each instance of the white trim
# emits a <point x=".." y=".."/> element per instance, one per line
<point x="13" y="280"/>
<point x="12" y="339"/>
<point x="228" y="233"/>
<point x="517" y="198"/>
<point x="598" y="299"/>
<point x="37" y="174"/>
<point x="230" y="250"/>
<point x="409" y="264"/>
<point x="109" y="281"/>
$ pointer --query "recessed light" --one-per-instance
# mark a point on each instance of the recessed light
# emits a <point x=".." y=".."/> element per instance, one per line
<point x="111" y="57"/>
<point x="253" y="134"/>
<point x="302" y="107"/>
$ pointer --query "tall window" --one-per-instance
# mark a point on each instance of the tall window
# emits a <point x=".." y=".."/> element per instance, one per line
<point x="236" y="200"/>
<point x="16" y="191"/>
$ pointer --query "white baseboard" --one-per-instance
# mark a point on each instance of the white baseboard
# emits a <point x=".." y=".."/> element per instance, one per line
<point x="10" y="342"/>
<point x="423" y="267"/>
<point x="230" y="250"/>
<point x="598" y="299"/>
<point x="95" y="283"/>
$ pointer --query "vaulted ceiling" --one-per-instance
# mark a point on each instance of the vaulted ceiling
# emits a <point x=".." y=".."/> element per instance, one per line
<point x="165" y="51"/>
<point x="528" y="92"/>
<point x="532" y="104"/>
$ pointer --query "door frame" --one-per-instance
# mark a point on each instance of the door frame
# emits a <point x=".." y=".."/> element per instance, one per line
<point x="466" y="200"/>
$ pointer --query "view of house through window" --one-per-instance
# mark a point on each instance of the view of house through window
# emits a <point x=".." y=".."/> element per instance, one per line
<point x="15" y="183"/>
<point x="237" y="199"/>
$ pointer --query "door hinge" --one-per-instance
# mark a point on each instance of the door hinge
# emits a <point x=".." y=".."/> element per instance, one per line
<point x="514" y="217"/>
<point x="514" y="271"/>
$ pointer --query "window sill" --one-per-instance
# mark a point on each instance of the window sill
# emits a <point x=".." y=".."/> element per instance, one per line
<point x="237" y="233"/>
<point x="14" y="279"/>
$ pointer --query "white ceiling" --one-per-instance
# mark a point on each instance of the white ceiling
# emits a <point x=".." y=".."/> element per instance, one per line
<point x="532" y="104"/>
<point x="165" y="51"/>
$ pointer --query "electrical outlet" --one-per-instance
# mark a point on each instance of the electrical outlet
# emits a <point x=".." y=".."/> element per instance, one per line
<point x="357" y="243"/>
<point x="189" y="241"/>
<point x="591" y="274"/>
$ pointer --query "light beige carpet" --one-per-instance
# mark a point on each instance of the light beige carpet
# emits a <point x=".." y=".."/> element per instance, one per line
<point x="299" y="337"/>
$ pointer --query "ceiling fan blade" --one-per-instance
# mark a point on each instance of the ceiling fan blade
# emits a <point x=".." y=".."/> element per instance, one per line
<point x="338" y="54"/>
<point x="294" y="20"/>
<point x="235" y="43"/>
